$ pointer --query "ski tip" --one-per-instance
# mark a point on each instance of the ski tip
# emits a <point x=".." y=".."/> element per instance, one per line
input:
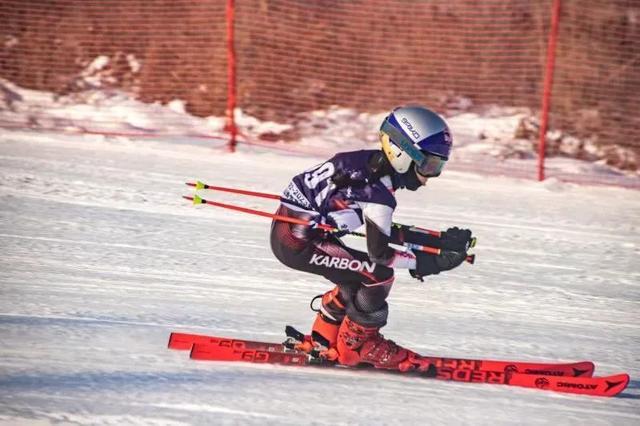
<point x="170" y="344"/>
<point x="616" y="383"/>
<point x="187" y="197"/>
<point x="584" y="369"/>
<point x="625" y="377"/>
<point x="178" y="342"/>
<point x="190" y="184"/>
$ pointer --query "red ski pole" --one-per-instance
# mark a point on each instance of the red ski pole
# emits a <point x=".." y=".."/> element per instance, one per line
<point x="201" y="185"/>
<point x="199" y="200"/>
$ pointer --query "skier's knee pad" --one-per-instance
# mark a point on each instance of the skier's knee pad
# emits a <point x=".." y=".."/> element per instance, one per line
<point x="382" y="276"/>
<point x="369" y="318"/>
<point x="370" y="304"/>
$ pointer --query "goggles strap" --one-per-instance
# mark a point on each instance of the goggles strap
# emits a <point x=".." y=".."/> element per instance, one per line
<point x="403" y="143"/>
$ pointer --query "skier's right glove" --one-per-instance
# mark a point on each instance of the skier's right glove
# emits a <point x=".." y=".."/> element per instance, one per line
<point x="431" y="264"/>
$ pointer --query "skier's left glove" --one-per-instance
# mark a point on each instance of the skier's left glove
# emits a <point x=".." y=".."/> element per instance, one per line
<point x="456" y="239"/>
<point x="431" y="264"/>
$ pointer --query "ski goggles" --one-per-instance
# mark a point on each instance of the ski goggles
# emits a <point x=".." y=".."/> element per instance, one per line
<point x="431" y="166"/>
<point x="427" y="165"/>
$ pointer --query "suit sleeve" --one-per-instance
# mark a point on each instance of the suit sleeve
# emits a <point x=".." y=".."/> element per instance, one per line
<point x="377" y="219"/>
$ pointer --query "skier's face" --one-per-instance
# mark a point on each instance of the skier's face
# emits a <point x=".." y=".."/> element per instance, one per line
<point x="412" y="180"/>
<point x="422" y="179"/>
<point x="430" y="167"/>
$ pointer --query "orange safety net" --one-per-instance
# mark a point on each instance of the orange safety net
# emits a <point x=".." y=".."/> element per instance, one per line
<point x="296" y="56"/>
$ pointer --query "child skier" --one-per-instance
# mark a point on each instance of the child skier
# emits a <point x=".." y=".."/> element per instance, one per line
<point x="357" y="188"/>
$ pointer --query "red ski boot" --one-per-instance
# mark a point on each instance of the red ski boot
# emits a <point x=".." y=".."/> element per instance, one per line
<point x="324" y="333"/>
<point x="365" y="345"/>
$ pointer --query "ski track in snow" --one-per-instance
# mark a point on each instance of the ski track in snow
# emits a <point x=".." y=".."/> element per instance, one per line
<point x="101" y="259"/>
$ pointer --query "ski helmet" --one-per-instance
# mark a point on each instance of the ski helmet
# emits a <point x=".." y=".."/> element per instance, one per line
<point x="414" y="134"/>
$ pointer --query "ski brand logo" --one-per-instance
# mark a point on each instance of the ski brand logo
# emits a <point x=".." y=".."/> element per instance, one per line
<point x="341" y="263"/>
<point x="474" y="376"/>
<point x="458" y="364"/>
<point x="542" y="383"/>
<point x="447" y="137"/>
<point x="544" y="372"/>
<point x="576" y="385"/>
<point x="578" y="373"/>
<point x="413" y="131"/>
<point x="510" y="369"/>
<point x="294" y="194"/>
<point x="611" y="385"/>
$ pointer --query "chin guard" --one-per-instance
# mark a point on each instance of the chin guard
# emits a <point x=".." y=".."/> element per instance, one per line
<point x="410" y="180"/>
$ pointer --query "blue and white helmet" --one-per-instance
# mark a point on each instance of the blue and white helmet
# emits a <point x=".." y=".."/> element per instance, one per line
<point x="414" y="134"/>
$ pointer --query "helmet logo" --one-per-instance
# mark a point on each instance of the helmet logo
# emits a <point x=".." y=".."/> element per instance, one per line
<point x="413" y="131"/>
<point x="447" y="137"/>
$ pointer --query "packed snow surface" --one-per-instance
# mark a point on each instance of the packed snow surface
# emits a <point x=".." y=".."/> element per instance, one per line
<point x="101" y="259"/>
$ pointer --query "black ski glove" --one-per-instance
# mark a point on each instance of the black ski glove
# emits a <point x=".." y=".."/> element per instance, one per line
<point x="431" y="264"/>
<point x="456" y="239"/>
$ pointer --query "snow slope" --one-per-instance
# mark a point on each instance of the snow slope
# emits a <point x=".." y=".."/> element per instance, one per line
<point x="101" y="259"/>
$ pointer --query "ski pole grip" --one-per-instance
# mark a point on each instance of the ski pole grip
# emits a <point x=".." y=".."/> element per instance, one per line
<point x="426" y="249"/>
<point x="432" y="250"/>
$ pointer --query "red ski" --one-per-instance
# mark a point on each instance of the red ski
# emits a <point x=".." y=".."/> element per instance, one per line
<point x="594" y="386"/>
<point x="208" y="352"/>
<point x="184" y="341"/>
<point x="575" y="369"/>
